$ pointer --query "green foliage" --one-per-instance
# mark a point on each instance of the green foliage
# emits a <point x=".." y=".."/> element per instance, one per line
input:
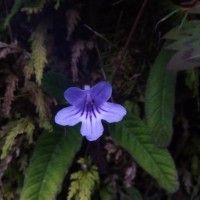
<point x="188" y="30"/>
<point x="192" y="81"/>
<point x="15" y="8"/>
<point x="12" y="130"/>
<point x="134" y="194"/>
<point x="131" y="193"/>
<point x="159" y="100"/>
<point x="33" y="32"/>
<point x="83" y="181"/>
<point x="106" y="193"/>
<point x="42" y="104"/>
<point x="186" y="44"/>
<point x="53" y="155"/>
<point x="132" y="134"/>
<point x="55" y="84"/>
<point x="39" y="54"/>
<point x="35" y="6"/>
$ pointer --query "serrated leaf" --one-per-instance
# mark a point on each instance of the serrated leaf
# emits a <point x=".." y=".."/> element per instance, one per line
<point x="38" y="58"/>
<point x="55" y="84"/>
<point x="83" y="181"/>
<point x="159" y="100"/>
<point x="186" y="58"/>
<point x="132" y="135"/>
<point x="53" y="155"/>
<point x="12" y="130"/>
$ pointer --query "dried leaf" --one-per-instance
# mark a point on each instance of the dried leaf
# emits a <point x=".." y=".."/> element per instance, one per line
<point x="130" y="173"/>
<point x="12" y="82"/>
<point x="3" y="166"/>
<point x="77" y="49"/>
<point x="72" y="18"/>
<point x="6" y="49"/>
<point x="187" y="180"/>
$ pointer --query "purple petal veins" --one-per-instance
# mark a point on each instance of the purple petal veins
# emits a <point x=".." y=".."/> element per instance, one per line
<point x="89" y="106"/>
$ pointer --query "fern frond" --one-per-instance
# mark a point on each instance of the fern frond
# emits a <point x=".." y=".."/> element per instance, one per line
<point x="39" y="54"/>
<point x="34" y="6"/>
<point x="12" y="82"/>
<point x="42" y="104"/>
<point x="23" y="125"/>
<point x="83" y="182"/>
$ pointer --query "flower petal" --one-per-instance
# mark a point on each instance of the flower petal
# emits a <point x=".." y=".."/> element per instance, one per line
<point x="112" y="112"/>
<point x="68" y="116"/>
<point x="75" y="96"/>
<point x="92" y="128"/>
<point x="101" y="92"/>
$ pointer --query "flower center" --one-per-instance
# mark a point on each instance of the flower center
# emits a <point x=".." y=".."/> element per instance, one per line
<point x="90" y="108"/>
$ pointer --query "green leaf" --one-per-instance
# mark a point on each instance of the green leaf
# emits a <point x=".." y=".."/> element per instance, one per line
<point x="184" y="42"/>
<point x="190" y="28"/>
<point x="15" y="8"/>
<point x="131" y="193"/>
<point x="50" y="162"/>
<point x="106" y="193"/>
<point x="132" y="134"/>
<point x="159" y="100"/>
<point x="134" y="193"/>
<point x="83" y="182"/>
<point x="55" y="84"/>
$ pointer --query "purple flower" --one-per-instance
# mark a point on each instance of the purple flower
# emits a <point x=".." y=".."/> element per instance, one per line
<point x="90" y="106"/>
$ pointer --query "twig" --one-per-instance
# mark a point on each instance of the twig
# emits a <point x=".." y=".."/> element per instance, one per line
<point x="101" y="63"/>
<point x="101" y="36"/>
<point x="17" y="96"/>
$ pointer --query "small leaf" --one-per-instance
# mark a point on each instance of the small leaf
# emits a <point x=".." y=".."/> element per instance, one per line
<point x="55" y="84"/>
<point x="132" y="134"/>
<point x="186" y="58"/>
<point x="12" y="130"/>
<point x="53" y="155"/>
<point x="159" y="100"/>
<point x="83" y="181"/>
